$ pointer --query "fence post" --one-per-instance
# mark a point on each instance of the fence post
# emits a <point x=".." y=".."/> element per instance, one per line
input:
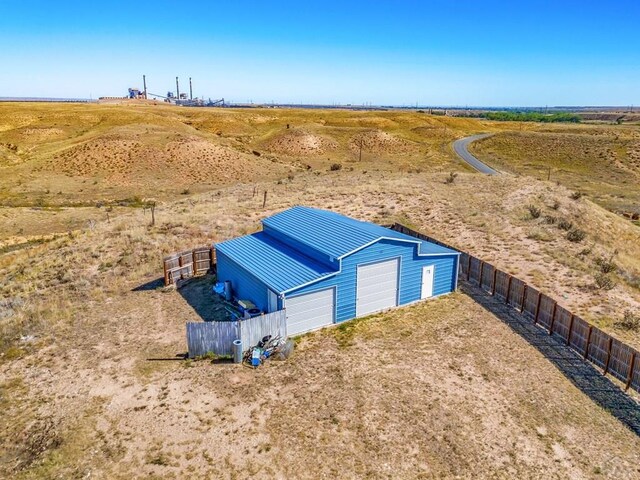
<point x="493" y="286"/>
<point x="630" y="375"/>
<point x="535" y="320"/>
<point x="606" y="364"/>
<point x="195" y="264"/>
<point x="524" y="295"/>
<point x="506" y="300"/>
<point x="166" y="273"/>
<point x="468" y="267"/>
<point x="553" y="318"/>
<point x="586" y="348"/>
<point x="570" y="328"/>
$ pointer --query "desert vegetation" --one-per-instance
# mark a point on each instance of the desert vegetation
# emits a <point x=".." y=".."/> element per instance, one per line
<point x="91" y="377"/>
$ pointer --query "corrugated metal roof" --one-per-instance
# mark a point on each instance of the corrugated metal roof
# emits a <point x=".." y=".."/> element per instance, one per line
<point x="336" y="235"/>
<point x="277" y="265"/>
<point x="281" y="267"/>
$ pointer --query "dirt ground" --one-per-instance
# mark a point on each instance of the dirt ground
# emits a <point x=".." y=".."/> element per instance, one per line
<point x="416" y="393"/>
<point x="93" y="383"/>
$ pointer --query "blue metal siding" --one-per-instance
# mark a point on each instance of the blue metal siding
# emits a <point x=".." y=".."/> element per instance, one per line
<point x="410" y="275"/>
<point x="245" y="285"/>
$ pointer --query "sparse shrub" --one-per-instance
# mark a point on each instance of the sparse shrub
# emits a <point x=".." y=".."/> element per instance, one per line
<point x="576" y="196"/>
<point x="586" y="251"/>
<point x="534" y="211"/>
<point x="555" y="205"/>
<point x="606" y="265"/>
<point x="550" y="219"/>
<point x="604" y="281"/>
<point x="451" y="178"/>
<point x="629" y="321"/>
<point x="291" y="176"/>
<point x="576" y="235"/>
<point x="335" y="167"/>
<point x="565" y="224"/>
<point x="186" y="191"/>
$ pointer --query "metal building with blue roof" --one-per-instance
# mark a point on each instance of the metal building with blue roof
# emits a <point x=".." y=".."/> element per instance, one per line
<point x="324" y="268"/>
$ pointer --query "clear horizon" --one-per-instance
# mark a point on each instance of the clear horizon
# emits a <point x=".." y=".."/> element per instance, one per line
<point x="500" y="54"/>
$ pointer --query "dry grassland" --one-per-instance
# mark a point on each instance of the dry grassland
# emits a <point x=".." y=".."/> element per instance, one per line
<point x="600" y="161"/>
<point x="89" y="381"/>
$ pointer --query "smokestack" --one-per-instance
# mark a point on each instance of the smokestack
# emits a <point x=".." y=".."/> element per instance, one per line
<point x="177" y="89"/>
<point x="190" y="89"/>
<point x="144" y="82"/>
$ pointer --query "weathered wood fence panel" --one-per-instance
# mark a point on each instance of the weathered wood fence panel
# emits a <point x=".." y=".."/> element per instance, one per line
<point x="620" y="360"/>
<point x="531" y="299"/>
<point x="473" y="275"/>
<point x="187" y="264"/>
<point x="516" y="295"/>
<point x="600" y="348"/>
<point x="579" y="333"/>
<point x="562" y="322"/>
<point x="254" y="329"/>
<point x="503" y="285"/>
<point x="218" y="337"/>
<point x="487" y="280"/>
<point x="546" y="312"/>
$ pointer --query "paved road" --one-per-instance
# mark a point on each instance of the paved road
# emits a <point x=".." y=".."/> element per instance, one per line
<point x="460" y="147"/>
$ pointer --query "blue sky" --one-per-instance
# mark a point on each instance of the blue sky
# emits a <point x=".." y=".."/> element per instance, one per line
<point x="456" y="52"/>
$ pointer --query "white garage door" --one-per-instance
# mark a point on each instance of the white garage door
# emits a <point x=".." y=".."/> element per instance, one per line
<point x="377" y="287"/>
<point x="310" y="311"/>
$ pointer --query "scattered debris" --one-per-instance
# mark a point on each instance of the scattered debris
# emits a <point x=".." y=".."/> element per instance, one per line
<point x="276" y="347"/>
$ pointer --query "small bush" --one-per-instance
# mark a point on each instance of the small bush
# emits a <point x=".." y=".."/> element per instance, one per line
<point x="576" y="235"/>
<point x="534" y="211"/>
<point x="604" y="281"/>
<point x="586" y="251"/>
<point x="576" y="196"/>
<point x="186" y="191"/>
<point x="630" y="321"/>
<point x="564" y="224"/>
<point x="335" y="167"/>
<point x="556" y="205"/>
<point x="451" y="178"/>
<point x="550" y="219"/>
<point x="606" y="265"/>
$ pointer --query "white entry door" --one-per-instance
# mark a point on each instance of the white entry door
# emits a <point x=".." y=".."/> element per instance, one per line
<point x="427" y="281"/>
<point x="310" y="311"/>
<point x="377" y="286"/>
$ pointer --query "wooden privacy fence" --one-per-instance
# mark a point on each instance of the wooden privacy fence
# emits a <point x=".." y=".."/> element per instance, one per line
<point x="218" y="337"/>
<point x="610" y="354"/>
<point x="187" y="264"/>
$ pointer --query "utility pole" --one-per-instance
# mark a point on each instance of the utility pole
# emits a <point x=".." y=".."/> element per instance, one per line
<point x="177" y="90"/>
<point x="144" y="83"/>
<point x="190" y="90"/>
